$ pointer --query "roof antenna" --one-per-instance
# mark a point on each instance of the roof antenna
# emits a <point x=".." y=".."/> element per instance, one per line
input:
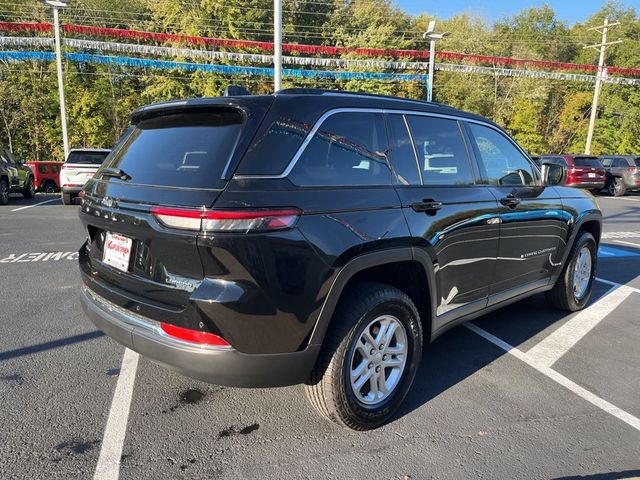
<point x="235" y="91"/>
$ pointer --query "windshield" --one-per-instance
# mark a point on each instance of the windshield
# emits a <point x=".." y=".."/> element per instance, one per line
<point x="182" y="150"/>
<point x="87" y="158"/>
<point x="587" y="162"/>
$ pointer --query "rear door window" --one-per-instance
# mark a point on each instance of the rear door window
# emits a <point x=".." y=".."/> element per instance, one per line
<point x="349" y="148"/>
<point x="442" y="154"/>
<point x="87" y="158"/>
<point x="183" y="150"/>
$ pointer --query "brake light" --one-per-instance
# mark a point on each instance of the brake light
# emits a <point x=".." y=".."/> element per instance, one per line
<point x="226" y="221"/>
<point x="193" y="336"/>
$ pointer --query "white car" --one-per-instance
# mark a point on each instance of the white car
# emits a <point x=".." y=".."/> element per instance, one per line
<point x="80" y="166"/>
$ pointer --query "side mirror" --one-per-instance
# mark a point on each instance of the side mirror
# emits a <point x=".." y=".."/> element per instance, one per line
<point x="553" y="174"/>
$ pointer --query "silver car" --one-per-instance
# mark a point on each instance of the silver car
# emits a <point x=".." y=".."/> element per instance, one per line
<point x="622" y="173"/>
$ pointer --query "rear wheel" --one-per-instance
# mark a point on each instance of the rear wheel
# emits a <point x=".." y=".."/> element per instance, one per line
<point x="617" y="187"/>
<point x="49" y="188"/>
<point x="4" y="192"/>
<point x="67" y="198"/>
<point x="573" y="288"/>
<point x="369" y="357"/>
<point x="30" y="189"/>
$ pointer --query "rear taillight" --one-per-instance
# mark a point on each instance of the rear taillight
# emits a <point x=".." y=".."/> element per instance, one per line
<point x="226" y="220"/>
<point x="193" y="336"/>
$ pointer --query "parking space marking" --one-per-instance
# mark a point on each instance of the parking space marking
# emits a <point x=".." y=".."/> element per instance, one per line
<point x="615" y="284"/>
<point x="35" y="205"/>
<point x="559" y="378"/>
<point x="628" y="243"/>
<point x="630" y="234"/>
<point x="554" y="346"/>
<point x="108" y="467"/>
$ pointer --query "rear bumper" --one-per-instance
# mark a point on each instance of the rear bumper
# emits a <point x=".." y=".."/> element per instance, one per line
<point x="599" y="184"/>
<point x="218" y="365"/>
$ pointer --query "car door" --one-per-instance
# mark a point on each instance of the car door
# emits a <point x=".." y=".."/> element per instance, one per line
<point x="533" y="228"/>
<point x="11" y="168"/>
<point x="453" y="221"/>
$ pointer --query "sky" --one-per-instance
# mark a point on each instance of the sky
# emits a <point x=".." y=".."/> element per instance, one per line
<point x="569" y="10"/>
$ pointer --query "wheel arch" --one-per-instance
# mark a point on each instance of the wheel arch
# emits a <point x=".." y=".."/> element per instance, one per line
<point x="403" y="268"/>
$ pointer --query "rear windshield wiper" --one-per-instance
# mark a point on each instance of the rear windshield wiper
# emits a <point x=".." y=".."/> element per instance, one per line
<point x="115" y="173"/>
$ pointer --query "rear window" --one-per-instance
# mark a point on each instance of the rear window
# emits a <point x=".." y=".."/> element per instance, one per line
<point x="87" y="158"/>
<point x="586" y="162"/>
<point x="182" y="150"/>
<point x="636" y="161"/>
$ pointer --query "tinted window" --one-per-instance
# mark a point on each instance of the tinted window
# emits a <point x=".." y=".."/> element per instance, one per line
<point x="441" y="151"/>
<point x="636" y="161"/>
<point x="43" y="169"/>
<point x="606" y="162"/>
<point x="402" y="153"/>
<point x="503" y="163"/>
<point x="55" y="169"/>
<point x="586" y="162"/>
<point x="619" y="162"/>
<point x="348" y="149"/>
<point x="183" y="150"/>
<point x="87" y="158"/>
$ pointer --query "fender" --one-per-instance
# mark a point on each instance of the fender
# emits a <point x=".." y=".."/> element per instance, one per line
<point x="359" y="264"/>
<point x="584" y="217"/>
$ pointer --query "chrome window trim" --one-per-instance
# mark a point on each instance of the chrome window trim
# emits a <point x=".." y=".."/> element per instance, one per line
<point x="285" y="173"/>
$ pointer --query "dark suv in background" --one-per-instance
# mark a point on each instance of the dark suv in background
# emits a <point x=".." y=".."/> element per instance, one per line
<point x="623" y="173"/>
<point x="322" y="238"/>
<point x="583" y="171"/>
<point x="15" y="177"/>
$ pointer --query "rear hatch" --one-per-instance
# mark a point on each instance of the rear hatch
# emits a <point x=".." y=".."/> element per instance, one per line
<point x="177" y="157"/>
<point x="586" y="170"/>
<point x="80" y="166"/>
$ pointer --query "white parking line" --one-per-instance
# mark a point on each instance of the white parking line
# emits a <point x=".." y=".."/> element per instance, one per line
<point x="554" y="346"/>
<point x="622" y="198"/>
<point x="628" y="243"/>
<point x="35" y="205"/>
<point x="108" y="467"/>
<point x="558" y="378"/>
<point x="615" y="284"/>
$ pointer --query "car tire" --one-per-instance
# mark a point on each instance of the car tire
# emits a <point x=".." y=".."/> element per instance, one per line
<point x="49" y="188"/>
<point x="334" y="388"/>
<point x="67" y="199"/>
<point x="572" y="290"/>
<point x="617" y="187"/>
<point x="30" y="190"/>
<point x="4" y="192"/>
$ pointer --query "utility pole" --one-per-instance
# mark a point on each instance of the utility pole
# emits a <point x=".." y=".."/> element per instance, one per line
<point x="602" y="72"/>
<point x="277" y="44"/>
<point x="58" y="4"/>
<point x="432" y="36"/>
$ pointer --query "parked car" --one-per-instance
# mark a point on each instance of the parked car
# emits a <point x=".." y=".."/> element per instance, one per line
<point x="46" y="176"/>
<point x="80" y="165"/>
<point x="15" y="177"/>
<point x="623" y="173"/>
<point x="583" y="171"/>
<point x="322" y="238"/>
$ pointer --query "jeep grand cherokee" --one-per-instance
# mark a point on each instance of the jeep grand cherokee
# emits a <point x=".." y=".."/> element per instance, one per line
<point x="321" y="238"/>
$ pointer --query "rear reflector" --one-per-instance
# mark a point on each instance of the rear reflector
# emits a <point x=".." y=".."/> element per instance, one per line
<point x="193" y="336"/>
<point x="226" y="221"/>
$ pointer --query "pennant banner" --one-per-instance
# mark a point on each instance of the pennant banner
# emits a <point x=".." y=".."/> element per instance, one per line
<point x="306" y="61"/>
<point x="305" y="49"/>
<point x="223" y="69"/>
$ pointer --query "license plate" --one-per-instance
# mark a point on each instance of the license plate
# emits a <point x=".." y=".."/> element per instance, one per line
<point x="592" y="175"/>
<point x="117" y="250"/>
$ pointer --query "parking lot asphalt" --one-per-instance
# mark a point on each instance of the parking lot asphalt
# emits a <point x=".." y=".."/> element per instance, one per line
<point x="525" y="392"/>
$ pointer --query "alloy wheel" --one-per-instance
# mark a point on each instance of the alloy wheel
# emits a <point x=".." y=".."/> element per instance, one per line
<point x="582" y="273"/>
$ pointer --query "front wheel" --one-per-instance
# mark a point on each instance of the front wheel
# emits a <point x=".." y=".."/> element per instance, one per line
<point x="30" y="189"/>
<point x="4" y="192"/>
<point x="369" y="357"/>
<point x="573" y="288"/>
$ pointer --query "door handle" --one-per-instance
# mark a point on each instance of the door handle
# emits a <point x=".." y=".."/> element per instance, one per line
<point x="510" y="201"/>
<point x="427" y="206"/>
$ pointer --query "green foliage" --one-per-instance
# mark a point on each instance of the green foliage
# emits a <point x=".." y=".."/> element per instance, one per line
<point x="545" y="116"/>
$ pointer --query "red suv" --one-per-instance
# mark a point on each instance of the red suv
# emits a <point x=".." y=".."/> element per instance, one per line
<point x="583" y="171"/>
<point x="46" y="176"/>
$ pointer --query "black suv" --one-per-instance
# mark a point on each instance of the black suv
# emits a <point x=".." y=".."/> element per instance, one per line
<point x="15" y="177"/>
<point x="322" y="238"/>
